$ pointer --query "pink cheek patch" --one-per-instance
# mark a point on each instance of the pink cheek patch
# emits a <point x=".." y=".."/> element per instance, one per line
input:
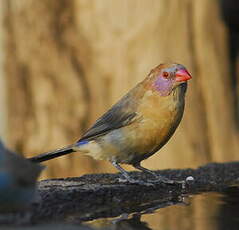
<point x="163" y="85"/>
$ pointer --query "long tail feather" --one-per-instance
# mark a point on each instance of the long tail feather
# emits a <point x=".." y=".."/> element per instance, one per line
<point x="50" y="155"/>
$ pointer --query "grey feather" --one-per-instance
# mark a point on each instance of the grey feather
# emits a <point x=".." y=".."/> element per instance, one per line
<point x="123" y="113"/>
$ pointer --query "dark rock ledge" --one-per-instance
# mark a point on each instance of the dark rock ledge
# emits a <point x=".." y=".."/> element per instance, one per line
<point x="102" y="195"/>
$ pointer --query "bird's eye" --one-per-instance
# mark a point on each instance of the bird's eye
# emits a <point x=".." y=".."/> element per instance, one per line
<point x="165" y="74"/>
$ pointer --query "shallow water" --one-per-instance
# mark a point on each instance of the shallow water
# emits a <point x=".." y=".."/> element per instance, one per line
<point x="207" y="211"/>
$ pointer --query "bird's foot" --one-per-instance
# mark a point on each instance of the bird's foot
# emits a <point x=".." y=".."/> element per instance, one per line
<point x="170" y="182"/>
<point x="134" y="181"/>
<point x="165" y="180"/>
<point x="162" y="179"/>
<point x="158" y="178"/>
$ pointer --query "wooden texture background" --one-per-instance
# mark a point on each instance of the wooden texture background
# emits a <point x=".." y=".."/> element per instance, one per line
<point x="66" y="62"/>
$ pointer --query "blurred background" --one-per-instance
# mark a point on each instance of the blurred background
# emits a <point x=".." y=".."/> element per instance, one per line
<point x="64" y="63"/>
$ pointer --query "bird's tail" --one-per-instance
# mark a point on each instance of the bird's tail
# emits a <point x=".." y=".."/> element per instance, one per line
<point x="50" y="155"/>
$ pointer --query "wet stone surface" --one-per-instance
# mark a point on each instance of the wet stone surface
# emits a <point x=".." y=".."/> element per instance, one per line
<point x="90" y="197"/>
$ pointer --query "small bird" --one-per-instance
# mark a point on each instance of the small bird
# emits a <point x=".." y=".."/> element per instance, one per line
<point x="138" y="125"/>
<point x="17" y="181"/>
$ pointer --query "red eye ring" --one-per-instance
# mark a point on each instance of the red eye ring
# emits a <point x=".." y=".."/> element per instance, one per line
<point x="165" y="74"/>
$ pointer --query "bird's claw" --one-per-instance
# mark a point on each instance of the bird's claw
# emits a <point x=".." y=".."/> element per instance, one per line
<point x="162" y="179"/>
<point x="168" y="181"/>
<point x="133" y="181"/>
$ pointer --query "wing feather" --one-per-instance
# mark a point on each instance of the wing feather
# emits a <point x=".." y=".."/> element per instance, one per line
<point x="121" y="114"/>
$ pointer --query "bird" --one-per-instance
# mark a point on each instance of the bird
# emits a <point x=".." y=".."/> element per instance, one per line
<point x="18" y="178"/>
<point x="138" y="125"/>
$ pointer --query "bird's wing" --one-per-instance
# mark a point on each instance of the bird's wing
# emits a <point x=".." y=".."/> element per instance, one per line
<point x="121" y="114"/>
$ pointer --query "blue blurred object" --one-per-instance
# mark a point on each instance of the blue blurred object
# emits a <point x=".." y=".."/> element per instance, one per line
<point x="18" y="178"/>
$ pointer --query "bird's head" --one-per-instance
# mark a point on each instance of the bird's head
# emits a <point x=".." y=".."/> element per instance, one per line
<point x="166" y="77"/>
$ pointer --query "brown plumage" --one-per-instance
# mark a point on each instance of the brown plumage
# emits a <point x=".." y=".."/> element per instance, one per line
<point x="139" y="124"/>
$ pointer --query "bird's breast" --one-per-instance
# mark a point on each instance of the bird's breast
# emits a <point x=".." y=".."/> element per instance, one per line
<point x="160" y="118"/>
<point x="157" y="119"/>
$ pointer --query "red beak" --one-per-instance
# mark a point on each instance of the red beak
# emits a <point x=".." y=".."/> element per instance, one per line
<point x="182" y="75"/>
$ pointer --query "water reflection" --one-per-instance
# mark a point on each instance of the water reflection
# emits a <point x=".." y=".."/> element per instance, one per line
<point x="229" y="210"/>
<point x="132" y="223"/>
<point x="208" y="211"/>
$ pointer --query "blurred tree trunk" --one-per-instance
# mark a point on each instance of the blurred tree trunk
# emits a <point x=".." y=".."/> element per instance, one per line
<point x="3" y="115"/>
<point x="66" y="62"/>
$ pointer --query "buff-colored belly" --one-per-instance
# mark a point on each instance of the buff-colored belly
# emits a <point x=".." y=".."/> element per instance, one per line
<point x="141" y="138"/>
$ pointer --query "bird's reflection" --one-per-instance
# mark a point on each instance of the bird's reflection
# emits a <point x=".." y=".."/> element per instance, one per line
<point x="132" y="223"/>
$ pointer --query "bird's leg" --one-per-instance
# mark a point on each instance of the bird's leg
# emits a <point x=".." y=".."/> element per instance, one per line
<point x="159" y="177"/>
<point x="123" y="172"/>
<point x="127" y="176"/>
